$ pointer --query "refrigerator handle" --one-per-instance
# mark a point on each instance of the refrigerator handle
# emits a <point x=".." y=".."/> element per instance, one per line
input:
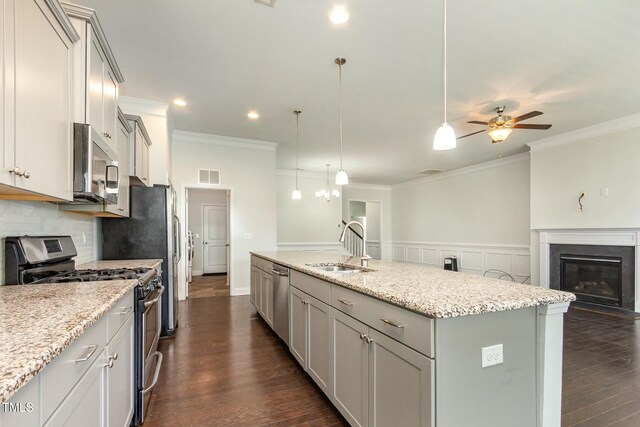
<point x="178" y="235"/>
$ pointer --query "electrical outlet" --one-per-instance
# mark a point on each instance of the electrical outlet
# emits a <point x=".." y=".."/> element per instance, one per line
<point x="604" y="191"/>
<point x="492" y="355"/>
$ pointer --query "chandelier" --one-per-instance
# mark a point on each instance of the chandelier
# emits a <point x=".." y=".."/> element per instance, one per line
<point x="327" y="194"/>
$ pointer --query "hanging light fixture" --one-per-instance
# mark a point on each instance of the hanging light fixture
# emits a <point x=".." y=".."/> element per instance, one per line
<point x="341" y="177"/>
<point x="327" y="193"/>
<point x="445" y="138"/>
<point x="297" y="195"/>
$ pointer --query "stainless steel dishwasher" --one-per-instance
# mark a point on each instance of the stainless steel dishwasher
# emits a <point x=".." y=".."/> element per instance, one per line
<point x="281" y="301"/>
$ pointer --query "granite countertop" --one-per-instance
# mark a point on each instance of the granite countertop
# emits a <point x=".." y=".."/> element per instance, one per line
<point x="38" y="322"/>
<point x="431" y="291"/>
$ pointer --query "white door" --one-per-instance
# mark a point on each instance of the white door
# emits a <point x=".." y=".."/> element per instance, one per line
<point x="214" y="229"/>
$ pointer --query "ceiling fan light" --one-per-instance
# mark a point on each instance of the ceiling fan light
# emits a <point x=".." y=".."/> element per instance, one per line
<point x="445" y="138"/>
<point x="342" y="178"/>
<point x="296" y="195"/>
<point x="499" y="134"/>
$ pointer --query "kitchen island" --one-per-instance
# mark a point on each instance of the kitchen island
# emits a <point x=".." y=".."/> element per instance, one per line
<point x="424" y="346"/>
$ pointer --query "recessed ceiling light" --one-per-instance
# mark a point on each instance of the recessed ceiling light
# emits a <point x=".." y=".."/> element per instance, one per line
<point x="339" y="15"/>
<point x="180" y="102"/>
<point x="253" y="115"/>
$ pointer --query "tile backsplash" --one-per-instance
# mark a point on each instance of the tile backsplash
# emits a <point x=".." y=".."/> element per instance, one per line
<point x="41" y="218"/>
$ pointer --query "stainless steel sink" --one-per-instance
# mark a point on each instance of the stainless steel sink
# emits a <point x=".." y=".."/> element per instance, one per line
<point x="335" y="268"/>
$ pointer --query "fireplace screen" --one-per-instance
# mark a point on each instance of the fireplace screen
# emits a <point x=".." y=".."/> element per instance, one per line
<point x="592" y="279"/>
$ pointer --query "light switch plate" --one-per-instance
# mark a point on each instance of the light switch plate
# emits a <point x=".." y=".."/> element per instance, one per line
<point x="492" y="356"/>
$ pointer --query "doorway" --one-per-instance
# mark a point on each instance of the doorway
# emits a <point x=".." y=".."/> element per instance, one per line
<point x="369" y="214"/>
<point x="208" y="241"/>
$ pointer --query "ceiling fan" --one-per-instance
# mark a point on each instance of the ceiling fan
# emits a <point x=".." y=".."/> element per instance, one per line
<point x="501" y="126"/>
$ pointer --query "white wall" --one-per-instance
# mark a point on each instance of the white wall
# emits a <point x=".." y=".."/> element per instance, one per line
<point x="372" y="193"/>
<point x="484" y="204"/>
<point x="155" y="119"/>
<point x="197" y="199"/>
<point x="18" y="218"/>
<point x="559" y="174"/>
<point x="308" y="223"/>
<point x="248" y="169"/>
<point x="374" y="212"/>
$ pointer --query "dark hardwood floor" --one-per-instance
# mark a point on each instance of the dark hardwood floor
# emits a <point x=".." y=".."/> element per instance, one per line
<point x="214" y="285"/>
<point x="224" y="367"/>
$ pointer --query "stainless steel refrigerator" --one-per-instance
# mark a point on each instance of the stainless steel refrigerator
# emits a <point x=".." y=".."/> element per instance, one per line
<point x="151" y="231"/>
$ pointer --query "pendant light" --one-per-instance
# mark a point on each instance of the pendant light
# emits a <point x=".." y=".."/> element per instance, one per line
<point x="327" y="193"/>
<point x="341" y="177"/>
<point x="445" y="138"/>
<point x="297" y="195"/>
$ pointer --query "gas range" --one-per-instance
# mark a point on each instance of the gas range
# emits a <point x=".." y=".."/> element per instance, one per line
<point x="95" y="275"/>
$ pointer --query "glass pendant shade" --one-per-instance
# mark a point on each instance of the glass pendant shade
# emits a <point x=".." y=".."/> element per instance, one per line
<point x="500" y="134"/>
<point x="342" y="178"/>
<point x="445" y="138"/>
<point x="296" y="195"/>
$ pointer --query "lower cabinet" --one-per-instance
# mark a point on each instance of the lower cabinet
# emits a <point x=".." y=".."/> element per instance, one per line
<point x="262" y="293"/>
<point x="310" y="337"/>
<point x="120" y="377"/>
<point x="377" y="380"/>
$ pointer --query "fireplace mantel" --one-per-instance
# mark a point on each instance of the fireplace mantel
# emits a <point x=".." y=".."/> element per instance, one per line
<point x="598" y="237"/>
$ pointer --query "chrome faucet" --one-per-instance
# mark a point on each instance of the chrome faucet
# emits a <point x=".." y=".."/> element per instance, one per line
<point x="364" y="260"/>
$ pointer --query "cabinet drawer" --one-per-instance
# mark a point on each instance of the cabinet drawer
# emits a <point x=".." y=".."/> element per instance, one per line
<point x="118" y="315"/>
<point x="315" y="287"/>
<point x="59" y="377"/>
<point x="411" y="329"/>
<point x="262" y="264"/>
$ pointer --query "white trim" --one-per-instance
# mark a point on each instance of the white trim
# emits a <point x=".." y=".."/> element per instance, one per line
<point x="224" y="141"/>
<point x="598" y="237"/>
<point x="196" y="272"/>
<point x="605" y="128"/>
<point x="310" y="246"/>
<point x="62" y="18"/>
<point x="466" y="170"/>
<point x="142" y="106"/>
<point x="240" y="291"/>
<point x="464" y="245"/>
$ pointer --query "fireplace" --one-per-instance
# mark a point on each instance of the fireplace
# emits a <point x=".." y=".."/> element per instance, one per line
<point x="603" y="275"/>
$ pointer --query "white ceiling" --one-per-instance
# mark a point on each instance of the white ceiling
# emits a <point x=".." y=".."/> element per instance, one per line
<point x="577" y="61"/>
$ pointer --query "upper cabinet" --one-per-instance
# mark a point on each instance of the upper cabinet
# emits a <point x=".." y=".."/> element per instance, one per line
<point x="140" y="143"/>
<point x="97" y="76"/>
<point x="37" y="92"/>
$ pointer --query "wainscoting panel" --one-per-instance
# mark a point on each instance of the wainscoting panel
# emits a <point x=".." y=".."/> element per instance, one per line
<point x="473" y="259"/>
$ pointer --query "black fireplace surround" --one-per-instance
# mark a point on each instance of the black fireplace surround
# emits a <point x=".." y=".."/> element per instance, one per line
<point x="602" y="275"/>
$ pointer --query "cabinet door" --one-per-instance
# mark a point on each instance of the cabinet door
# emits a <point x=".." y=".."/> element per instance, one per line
<point x="267" y="295"/>
<point x="43" y="79"/>
<point x="145" y="164"/>
<point x="110" y="108"/>
<point x="95" y="112"/>
<point x="84" y="406"/>
<point x="319" y="361"/>
<point x="252" y="286"/>
<point x="400" y="388"/>
<point x="298" y="325"/>
<point x="351" y="372"/>
<point x="5" y="104"/>
<point x="258" y="285"/>
<point x="122" y="207"/>
<point x="120" y="387"/>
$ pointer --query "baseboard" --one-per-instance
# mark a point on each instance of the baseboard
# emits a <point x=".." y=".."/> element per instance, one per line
<point x="196" y="272"/>
<point x="240" y="291"/>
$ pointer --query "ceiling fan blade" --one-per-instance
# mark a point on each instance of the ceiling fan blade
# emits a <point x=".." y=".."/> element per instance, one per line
<point x="476" y="122"/>
<point x="464" y="136"/>
<point x="526" y="116"/>
<point x="536" y="127"/>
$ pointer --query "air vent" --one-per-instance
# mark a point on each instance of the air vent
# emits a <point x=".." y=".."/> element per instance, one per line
<point x="208" y="177"/>
<point x="269" y="3"/>
<point x="430" y="171"/>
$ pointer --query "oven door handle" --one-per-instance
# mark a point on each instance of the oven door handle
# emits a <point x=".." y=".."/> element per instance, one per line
<point x="158" y="355"/>
<point x="155" y="300"/>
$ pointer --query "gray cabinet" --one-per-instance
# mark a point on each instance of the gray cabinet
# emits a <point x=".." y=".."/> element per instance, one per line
<point x="310" y="337"/>
<point x="379" y="381"/>
<point x="252" y="286"/>
<point x="37" y="100"/>
<point x="262" y="293"/>
<point x="120" y="376"/>
<point x="139" y="149"/>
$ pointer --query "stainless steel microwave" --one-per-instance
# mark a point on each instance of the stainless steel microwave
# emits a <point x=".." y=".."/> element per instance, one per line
<point x="95" y="168"/>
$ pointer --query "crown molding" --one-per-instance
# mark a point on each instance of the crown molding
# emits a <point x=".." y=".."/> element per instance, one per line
<point x="505" y="161"/>
<point x="124" y="121"/>
<point x="224" y="141"/>
<point x="364" y="186"/>
<point x="62" y="18"/>
<point x="605" y="128"/>
<point x="137" y="106"/>
<point x="89" y="15"/>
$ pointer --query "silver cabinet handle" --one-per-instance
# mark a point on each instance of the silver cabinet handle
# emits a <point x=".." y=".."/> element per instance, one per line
<point x="368" y="340"/>
<point x="92" y="349"/>
<point x="127" y="311"/>
<point x="107" y="135"/>
<point x="109" y="363"/>
<point x="158" y="355"/>
<point x="155" y="300"/>
<point x="17" y="171"/>
<point x="362" y="336"/>
<point x="26" y="174"/>
<point x="392" y="323"/>
<point x="115" y="356"/>
<point x="345" y="302"/>
<point x="121" y="210"/>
